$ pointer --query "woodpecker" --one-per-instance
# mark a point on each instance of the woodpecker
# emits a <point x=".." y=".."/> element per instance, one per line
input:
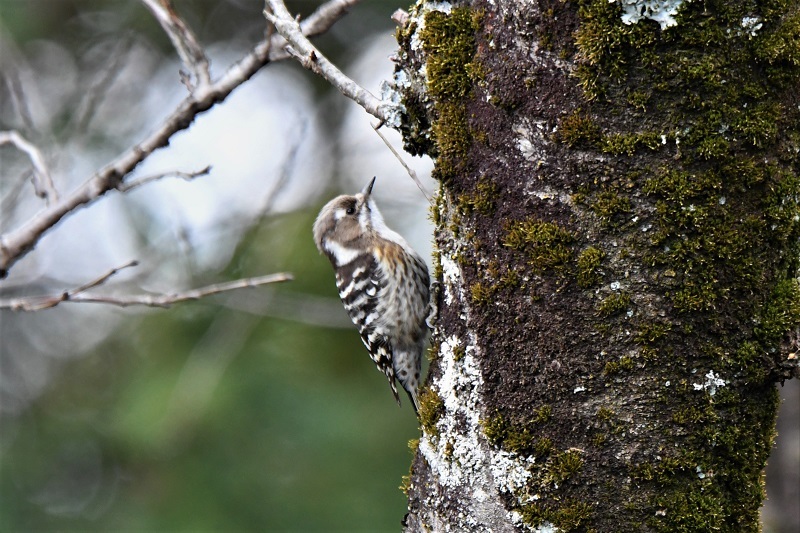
<point x="382" y="282"/>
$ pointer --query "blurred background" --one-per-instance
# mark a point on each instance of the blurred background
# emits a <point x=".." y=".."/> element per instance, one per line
<point x="253" y="410"/>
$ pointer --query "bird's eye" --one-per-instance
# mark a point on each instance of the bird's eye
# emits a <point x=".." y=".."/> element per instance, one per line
<point x="351" y="210"/>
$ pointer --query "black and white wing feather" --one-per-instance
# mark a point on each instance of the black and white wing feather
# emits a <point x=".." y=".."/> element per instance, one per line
<point x="360" y="284"/>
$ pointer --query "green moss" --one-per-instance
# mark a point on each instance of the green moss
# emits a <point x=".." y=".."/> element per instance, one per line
<point x="482" y="294"/>
<point x="651" y="332"/>
<point x="723" y="242"/>
<point x="588" y="264"/>
<point x="610" y="206"/>
<point x="431" y="408"/>
<point x="613" y="304"/>
<point x="542" y="414"/>
<point x="604" y="414"/>
<point x="519" y="438"/>
<point x="693" y="414"/>
<point x="717" y="458"/>
<point x="782" y="44"/>
<point x="578" y="129"/>
<point x="629" y="143"/>
<point x="482" y="200"/>
<point x="449" y="448"/>
<point x="433" y="351"/>
<point x="700" y="508"/>
<point x="405" y="481"/>
<point x="546" y="244"/>
<point x="571" y="516"/>
<point x="563" y="466"/>
<point x="459" y="351"/>
<point x="542" y="447"/>
<point x="781" y="314"/>
<point x="449" y="43"/>
<point x="638" y="99"/>
<point x="509" y="280"/>
<point x="624" y="363"/>
<point x="453" y="138"/>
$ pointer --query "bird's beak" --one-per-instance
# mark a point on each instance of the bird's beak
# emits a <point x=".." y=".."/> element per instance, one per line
<point x="366" y="191"/>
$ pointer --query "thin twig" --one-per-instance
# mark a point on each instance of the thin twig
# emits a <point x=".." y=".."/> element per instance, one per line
<point x="102" y="279"/>
<point x="42" y="182"/>
<point x="96" y="94"/>
<point x="17" y="243"/>
<point x="410" y="170"/>
<point x="11" y="75"/>
<point x="183" y="39"/>
<point x="188" y="176"/>
<point x="10" y="200"/>
<point x="312" y="59"/>
<point x="37" y="303"/>
<point x="287" y="169"/>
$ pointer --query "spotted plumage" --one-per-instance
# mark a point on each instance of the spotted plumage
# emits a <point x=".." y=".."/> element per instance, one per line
<point x="382" y="282"/>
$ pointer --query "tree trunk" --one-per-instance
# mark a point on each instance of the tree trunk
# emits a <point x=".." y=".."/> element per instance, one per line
<point x="617" y="240"/>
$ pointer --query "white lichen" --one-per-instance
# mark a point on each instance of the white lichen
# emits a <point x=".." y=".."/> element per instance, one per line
<point x="391" y="101"/>
<point x="511" y="468"/>
<point x="711" y="383"/>
<point x="751" y="25"/>
<point x="661" y="11"/>
<point x="546" y="527"/>
<point x="451" y="276"/>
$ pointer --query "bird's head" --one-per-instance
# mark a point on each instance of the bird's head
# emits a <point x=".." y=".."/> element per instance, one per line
<point x="345" y="225"/>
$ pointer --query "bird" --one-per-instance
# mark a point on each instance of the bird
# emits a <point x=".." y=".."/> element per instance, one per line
<point x="383" y="283"/>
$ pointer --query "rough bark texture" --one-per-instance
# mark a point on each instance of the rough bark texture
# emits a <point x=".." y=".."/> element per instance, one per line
<point x="617" y="234"/>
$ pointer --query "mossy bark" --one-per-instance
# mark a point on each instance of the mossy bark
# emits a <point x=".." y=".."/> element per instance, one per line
<point x="618" y="241"/>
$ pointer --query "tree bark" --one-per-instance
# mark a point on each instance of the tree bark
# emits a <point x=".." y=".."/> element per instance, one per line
<point x="617" y="233"/>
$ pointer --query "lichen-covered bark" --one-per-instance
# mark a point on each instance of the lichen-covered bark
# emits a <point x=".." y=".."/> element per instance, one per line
<point x="618" y="234"/>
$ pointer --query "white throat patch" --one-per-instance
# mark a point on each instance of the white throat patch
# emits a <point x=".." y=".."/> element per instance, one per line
<point x="342" y="254"/>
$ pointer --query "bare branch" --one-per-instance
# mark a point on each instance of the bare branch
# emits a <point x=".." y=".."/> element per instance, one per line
<point x="312" y="59"/>
<point x="78" y="294"/>
<point x="17" y="243"/>
<point x="188" y="176"/>
<point x="42" y="182"/>
<point x="411" y="172"/>
<point x="183" y="39"/>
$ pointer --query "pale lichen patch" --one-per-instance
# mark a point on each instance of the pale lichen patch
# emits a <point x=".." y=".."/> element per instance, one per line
<point x="661" y="11"/>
